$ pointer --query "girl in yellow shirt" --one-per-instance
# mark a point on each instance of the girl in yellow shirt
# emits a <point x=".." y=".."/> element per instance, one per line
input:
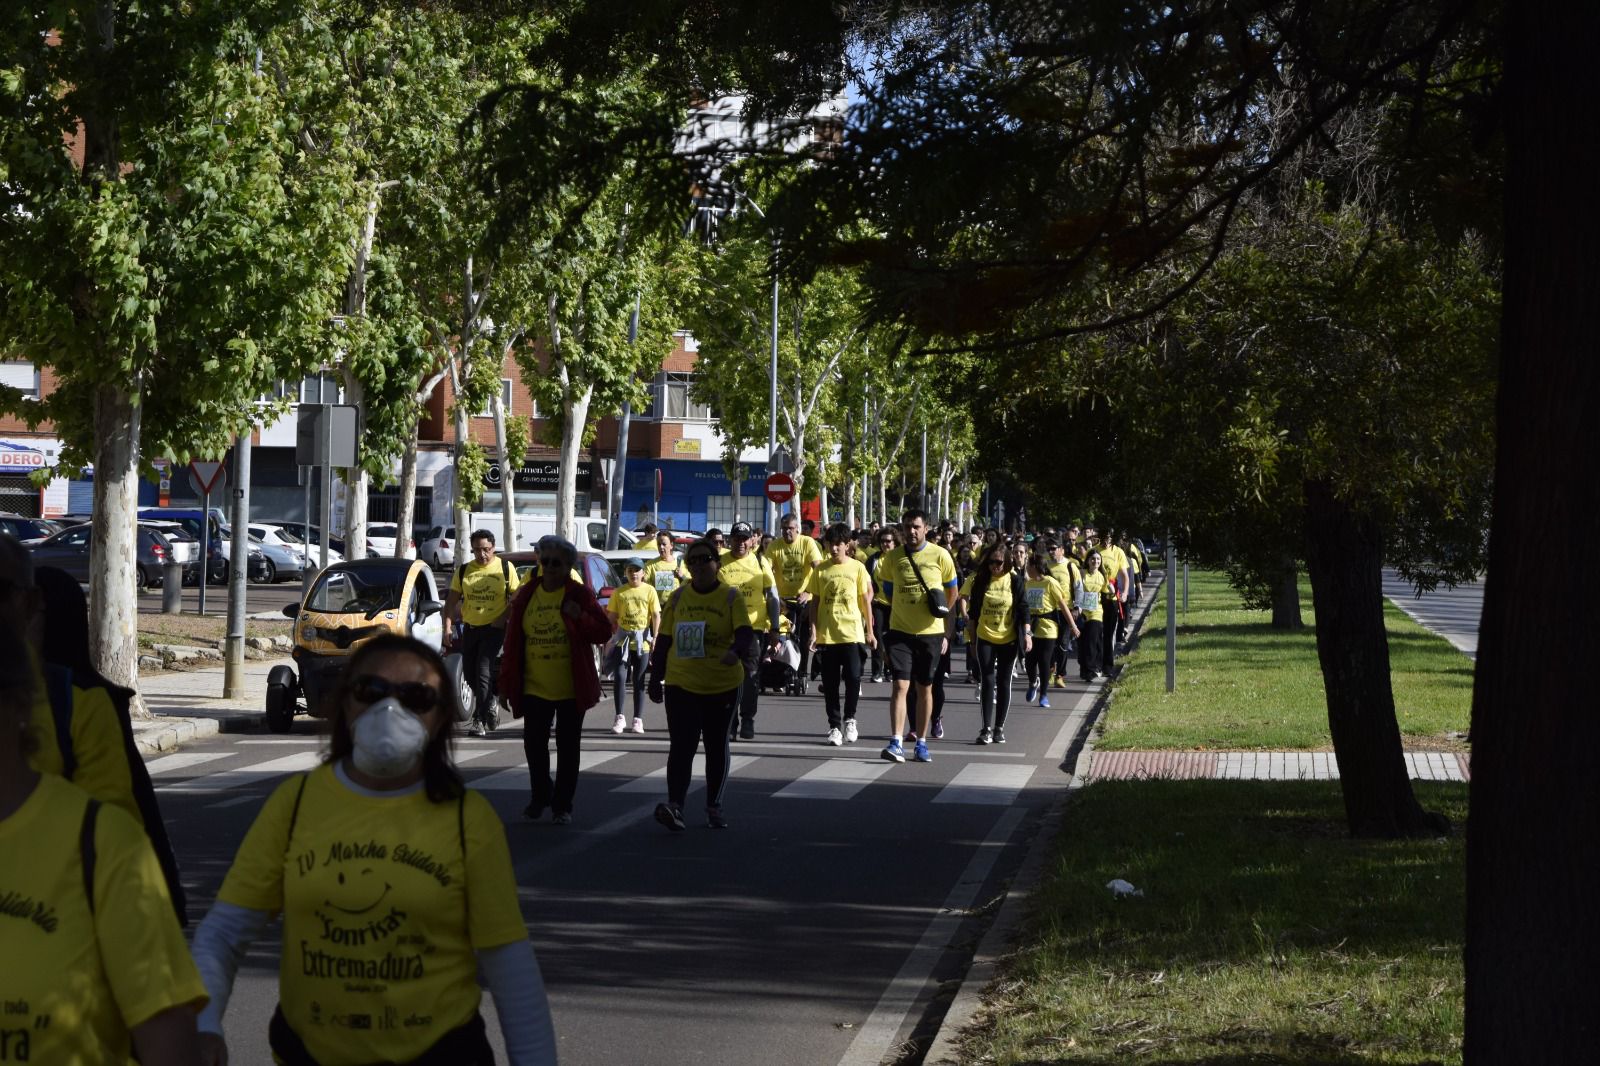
<point x="842" y="630"/>
<point x="1049" y="608"/>
<point x="1090" y="593"/>
<point x="998" y="613"/>
<point x="635" y="613"/>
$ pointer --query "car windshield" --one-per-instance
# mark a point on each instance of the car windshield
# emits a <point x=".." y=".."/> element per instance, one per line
<point x="386" y="532"/>
<point x="350" y="592"/>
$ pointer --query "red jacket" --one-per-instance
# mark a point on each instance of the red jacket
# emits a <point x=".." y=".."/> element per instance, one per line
<point x="592" y="626"/>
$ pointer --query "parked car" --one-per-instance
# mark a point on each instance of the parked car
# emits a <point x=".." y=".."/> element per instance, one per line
<point x="438" y="547"/>
<point x="28" y="530"/>
<point x="299" y="529"/>
<point x="257" y="570"/>
<point x="282" y="563"/>
<point x="598" y="572"/>
<point x="381" y="537"/>
<point x="72" y="550"/>
<point x="185" y="549"/>
<point x="272" y="534"/>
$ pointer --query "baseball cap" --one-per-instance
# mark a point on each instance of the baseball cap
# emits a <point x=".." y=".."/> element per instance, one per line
<point x="636" y="563"/>
<point x="741" y="531"/>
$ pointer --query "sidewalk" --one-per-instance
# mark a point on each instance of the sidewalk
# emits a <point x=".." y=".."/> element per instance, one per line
<point x="188" y="704"/>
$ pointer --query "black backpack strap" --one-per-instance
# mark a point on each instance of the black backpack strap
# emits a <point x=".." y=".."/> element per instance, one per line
<point x="294" y="813"/>
<point x="86" y="848"/>
<point x="505" y="577"/>
<point x="58" y="683"/>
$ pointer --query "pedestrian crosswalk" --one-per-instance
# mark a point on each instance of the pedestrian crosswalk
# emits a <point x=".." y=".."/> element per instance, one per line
<point x="222" y="779"/>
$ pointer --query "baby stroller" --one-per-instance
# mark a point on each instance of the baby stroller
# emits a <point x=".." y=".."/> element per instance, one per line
<point x="780" y="667"/>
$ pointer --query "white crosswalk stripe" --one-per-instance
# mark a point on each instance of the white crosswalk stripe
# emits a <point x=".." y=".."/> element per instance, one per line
<point x="515" y="779"/>
<point x="986" y="783"/>
<point x="166" y="764"/>
<point x="836" y="779"/>
<point x="250" y="775"/>
<point x="656" y="780"/>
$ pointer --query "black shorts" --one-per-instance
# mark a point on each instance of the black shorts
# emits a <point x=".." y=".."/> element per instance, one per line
<point x="914" y="658"/>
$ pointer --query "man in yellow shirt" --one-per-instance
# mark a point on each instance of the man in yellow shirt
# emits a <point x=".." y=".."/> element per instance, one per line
<point x="479" y="594"/>
<point x="743" y="568"/>
<point x="917" y="637"/>
<point x="1069" y="574"/>
<point x="794" y="558"/>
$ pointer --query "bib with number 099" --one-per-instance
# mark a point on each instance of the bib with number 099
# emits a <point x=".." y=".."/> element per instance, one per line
<point x="689" y="640"/>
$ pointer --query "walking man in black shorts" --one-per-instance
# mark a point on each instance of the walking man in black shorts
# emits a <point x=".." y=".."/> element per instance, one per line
<point x="918" y="637"/>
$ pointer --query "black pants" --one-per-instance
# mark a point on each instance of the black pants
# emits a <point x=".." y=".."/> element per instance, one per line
<point x="537" y="715"/>
<point x="1108" y="636"/>
<point x="480" y="659"/>
<point x="1089" y="644"/>
<point x="750" y="692"/>
<point x="693" y="718"/>
<point x="994" y="680"/>
<point x="1040" y="661"/>
<point x="840" y="661"/>
<point x="880" y="626"/>
<point x="800" y="632"/>
<point x="629" y="670"/>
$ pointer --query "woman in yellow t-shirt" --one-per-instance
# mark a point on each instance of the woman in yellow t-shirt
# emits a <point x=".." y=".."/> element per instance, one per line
<point x="664" y="573"/>
<point x="395" y="885"/>
<point x="1049" y="605"/>
<point x="841" y="630"/>
<point x="997" y="611"/>
<point x="636" y="615"/>
<point x="1094" y="587"/>
<point x="887" y="540"/>
<point x="93" y="967"/>
<point x="698" y="668"/>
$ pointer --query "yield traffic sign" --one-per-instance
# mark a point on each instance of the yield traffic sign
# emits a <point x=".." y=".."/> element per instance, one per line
<point x="780" y="488"/>
<point x="209" y="474"/>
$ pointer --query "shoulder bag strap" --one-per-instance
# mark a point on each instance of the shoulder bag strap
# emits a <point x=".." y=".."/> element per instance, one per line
<point x="58" y="683"/>
<point x="86" y="848"/>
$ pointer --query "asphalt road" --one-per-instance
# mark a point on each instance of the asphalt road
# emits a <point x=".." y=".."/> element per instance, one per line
<point x="1452" y="613"/>
<point x="818" y="929"/>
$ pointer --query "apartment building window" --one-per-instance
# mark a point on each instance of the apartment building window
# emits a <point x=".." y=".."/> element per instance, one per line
<point x="505" y="401"/>
<point x="671" y="400"/>
<point x="323" y="389"/>
<point x="21" y="376"/>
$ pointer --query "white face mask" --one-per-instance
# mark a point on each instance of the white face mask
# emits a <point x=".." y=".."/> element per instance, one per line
<point x="389" y="740"/>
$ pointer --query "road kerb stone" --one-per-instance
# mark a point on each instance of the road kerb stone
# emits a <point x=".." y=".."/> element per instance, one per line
<point x="171" y="732"/>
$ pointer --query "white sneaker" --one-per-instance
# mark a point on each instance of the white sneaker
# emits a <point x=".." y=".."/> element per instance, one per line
<point x="850" y="734"/>
<point x="619" y="725"/>
<point x="835" y="737"/>
<point x="638" y="725"/>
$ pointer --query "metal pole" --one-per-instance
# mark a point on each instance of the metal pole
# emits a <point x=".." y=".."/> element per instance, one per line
<point x="205" y="548"/>
<point x="306" y="576"/>
<point x="1172" y="618"/>
<point x="1186" y="586"/>
<point x="772" y="396"/>
<point x="922" y="478"/>
<point x="233" y="656"/>
<point x="326" y="501"/>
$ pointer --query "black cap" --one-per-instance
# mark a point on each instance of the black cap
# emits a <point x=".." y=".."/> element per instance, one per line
<point x="741" y="531"/>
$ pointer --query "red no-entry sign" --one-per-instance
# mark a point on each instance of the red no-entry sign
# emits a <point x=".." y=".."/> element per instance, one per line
<point x="780" y="488"/>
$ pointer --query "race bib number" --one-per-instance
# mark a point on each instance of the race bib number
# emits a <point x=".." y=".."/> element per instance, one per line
<point x="1088" y="601"/>
<point x="666" y="581"/>
<point x="689" y="640"/>
<point x="1036" y="600"/>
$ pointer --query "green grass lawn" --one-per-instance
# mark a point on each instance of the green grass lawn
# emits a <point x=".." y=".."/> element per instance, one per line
<point x="1264" y="934"/>
<point x="1243" y="684"/>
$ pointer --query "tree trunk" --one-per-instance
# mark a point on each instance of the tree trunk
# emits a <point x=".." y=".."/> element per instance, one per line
<point x="1532" y="927"/>
<point x="1345" y="561"/>
<point x="575" y="408"/>
<point x="508" y="488"/>
<point x="459" y="504"/>
<point x="355" y="487"/>
<point x="1286" y="597"/>
<point x="408" y="480"/>
<point x="735" y="479"/>
<point x="113" y="596"/>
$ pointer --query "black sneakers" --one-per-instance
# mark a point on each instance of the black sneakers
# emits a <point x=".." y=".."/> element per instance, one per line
<point x="670" y="816"/>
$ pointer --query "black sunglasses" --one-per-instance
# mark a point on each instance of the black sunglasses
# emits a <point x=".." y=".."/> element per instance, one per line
<point x="698" y="559"/>
<point x="552" y="561"/>
<point x="415" y="696"/>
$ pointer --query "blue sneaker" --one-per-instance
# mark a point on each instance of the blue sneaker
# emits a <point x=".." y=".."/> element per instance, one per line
<point x="894" y="752"/>
<point x="1033" y="690"/>
<point x="921" y="752"/>
<point x="1044" y="699"/>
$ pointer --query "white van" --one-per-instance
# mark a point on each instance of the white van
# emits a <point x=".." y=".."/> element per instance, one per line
<point x="591" y="532"/>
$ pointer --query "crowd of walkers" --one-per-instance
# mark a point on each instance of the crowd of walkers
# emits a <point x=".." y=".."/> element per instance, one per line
<point x="393" y="880"/>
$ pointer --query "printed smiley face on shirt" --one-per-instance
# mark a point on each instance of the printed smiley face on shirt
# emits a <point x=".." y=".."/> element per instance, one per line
<point x="358" y="887"/>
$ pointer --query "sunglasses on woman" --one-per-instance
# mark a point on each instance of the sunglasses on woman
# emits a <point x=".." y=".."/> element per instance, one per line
<point x="414" y="696"/>
<point x="552" y="562"/>
<point x="698" y="559"/>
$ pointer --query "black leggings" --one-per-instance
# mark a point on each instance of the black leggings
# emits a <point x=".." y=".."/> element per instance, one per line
<point x="1040" y="660"/>
<point x="629" y="670"/>
<point x="1090" y="640"/>
<point x="880" y="626"/>
<point x="537" y="714"/>
<point x="994" y="667"/>
<point x="840" y="660"/>
<point x="693" y="718"/>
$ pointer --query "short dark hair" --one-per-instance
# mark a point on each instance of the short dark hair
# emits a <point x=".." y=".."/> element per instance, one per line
<point x="913" y="513"/>
<point x="439" y="776"/>
<point x="480" y="534"/>
<point x="838" y="533"/>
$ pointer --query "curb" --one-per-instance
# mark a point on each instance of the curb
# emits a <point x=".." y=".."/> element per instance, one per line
<point x="176" y="731"/>
<point x="995" y="946"/>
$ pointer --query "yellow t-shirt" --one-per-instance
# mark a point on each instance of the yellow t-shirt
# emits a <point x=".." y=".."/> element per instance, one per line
<point x="1068" y="572"/>
<point x="1045" y="594"/>
<point x="384" y="902"/>
<point x="1112" y="562"/>
<point x="996" y="622"/>
<point x="701" y="627"/>
<point x="485" y="590"/>
<point x="633" y="607"/>
<point x="96" y="743"/>
<point x="879" y="596"/>
<point x="664" y="576"/>
<point x="1095" y="584"/>
<point x="908" y="604"/>
<point x="839" y="588"/>
<point x="792" y="564"/>
<point x="752" y="577"/>
<point x="74" y="982"/>
<point x="546" y="656"/>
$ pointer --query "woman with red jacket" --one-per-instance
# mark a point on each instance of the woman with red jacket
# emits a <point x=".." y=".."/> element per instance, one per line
<point x="547" y="672"/>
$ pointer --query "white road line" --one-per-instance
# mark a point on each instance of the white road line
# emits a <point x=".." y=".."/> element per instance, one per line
<point x="878" y="1032"/>
<point x="986" y="784"/>
<point x="234" y="801"/>
<point x="836" y="779"/>
<point x="249" y="775"/>
<point x="515" y="778"/>
<point x="1069" y="728"/>
<point x="166" y="764"/>
<point x="656" y="780"/>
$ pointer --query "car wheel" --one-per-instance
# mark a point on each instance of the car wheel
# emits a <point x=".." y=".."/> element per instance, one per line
<point x="141" y="580"/>
<point x="267" y="574"/>
<point x="217" y="572"/>
<point x="280" y="699"/>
